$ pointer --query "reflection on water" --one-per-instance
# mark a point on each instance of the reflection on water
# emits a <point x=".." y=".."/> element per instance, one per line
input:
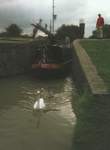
<point x="23" y="129"/>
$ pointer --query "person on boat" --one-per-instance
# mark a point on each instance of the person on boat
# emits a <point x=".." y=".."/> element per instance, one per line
<point x="34" y="32"/>
<point x="99" y="26"/>
<point x="40" y="22"/>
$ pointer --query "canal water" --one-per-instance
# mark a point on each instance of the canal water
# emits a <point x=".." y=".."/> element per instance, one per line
<point x="23" y="129"/>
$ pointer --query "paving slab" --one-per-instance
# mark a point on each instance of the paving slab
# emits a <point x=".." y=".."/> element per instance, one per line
<point x="95" y="82"/>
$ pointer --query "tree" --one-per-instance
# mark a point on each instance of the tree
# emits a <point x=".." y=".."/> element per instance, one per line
<point x="106" y="32"/>
<point x="94" y="35"/>
<point x="71" y="31"/>
<point x="13" y="30"/>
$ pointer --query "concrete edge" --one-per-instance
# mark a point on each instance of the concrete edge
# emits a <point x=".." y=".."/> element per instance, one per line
<point x="90" y="74"/>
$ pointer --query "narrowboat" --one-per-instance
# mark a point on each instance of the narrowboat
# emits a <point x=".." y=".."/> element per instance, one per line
<point x="52" y="60"/>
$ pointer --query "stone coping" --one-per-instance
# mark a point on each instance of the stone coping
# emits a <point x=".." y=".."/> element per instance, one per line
<point x="95" y="82"/>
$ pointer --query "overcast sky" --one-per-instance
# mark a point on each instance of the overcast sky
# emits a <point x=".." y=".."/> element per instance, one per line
<point x="25" y="12"/>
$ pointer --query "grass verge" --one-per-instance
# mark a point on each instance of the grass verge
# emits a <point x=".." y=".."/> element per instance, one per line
<point x="99" y="51"/>
<point x="92" y="130"/>
<point x="14" y="40"/>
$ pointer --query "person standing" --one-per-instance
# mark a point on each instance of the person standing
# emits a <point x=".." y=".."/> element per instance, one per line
<point x="99" y="26"/>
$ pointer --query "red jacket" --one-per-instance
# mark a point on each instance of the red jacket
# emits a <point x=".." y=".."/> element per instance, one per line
<point x="100" y="22"/>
